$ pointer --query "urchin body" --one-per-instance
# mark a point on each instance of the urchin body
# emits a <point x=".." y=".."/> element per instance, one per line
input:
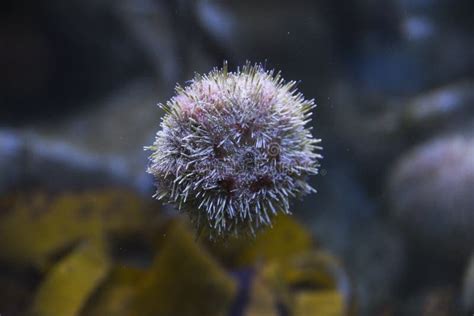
<point x="233" y="149"/>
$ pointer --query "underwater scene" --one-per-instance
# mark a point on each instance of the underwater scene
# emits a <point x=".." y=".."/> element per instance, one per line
<point x="237" y="158"/>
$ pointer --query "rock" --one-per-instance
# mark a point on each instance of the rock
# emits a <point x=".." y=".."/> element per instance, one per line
<point x="244" y="34"/>
<point x="18" y="286"/>
<point x="430" y="196"/>
<point x="376" y="264"/>
<point x="152" y="24"/>
<point x="58" y="57"/>
<point x="103" y="146"/>
<point x="12" y="150"/>
<point x="468" y="288"/>
<point x="30" y="160"/>
<point x="418" y="46"/>
<point x="432" y="301"/>
<point x="348" y="221"/>
<point x="439" y="110"/>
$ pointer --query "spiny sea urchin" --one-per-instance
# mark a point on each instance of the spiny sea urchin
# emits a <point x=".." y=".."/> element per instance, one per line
<point x="233" y="148"/>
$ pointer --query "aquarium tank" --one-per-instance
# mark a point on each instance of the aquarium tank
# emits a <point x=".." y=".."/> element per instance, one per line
<point x="237" y="158"/>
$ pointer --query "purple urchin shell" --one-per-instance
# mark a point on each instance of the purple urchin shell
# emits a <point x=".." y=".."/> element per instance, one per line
<point x="233" y="149"/>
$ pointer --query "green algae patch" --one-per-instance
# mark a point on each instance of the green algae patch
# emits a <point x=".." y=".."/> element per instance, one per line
<point x="184" y="280"/>
<point x="108" y="252"/>
<point x="115" y="296"/>
<point x="285" y="239"/>
<point x="71" y="281"/>
<point x="316" y="270"/>
<point x="321" y="303"/>
<point x="262" y="298"/>
<point x="38" y="227"/>
<point x="304" y="284"/>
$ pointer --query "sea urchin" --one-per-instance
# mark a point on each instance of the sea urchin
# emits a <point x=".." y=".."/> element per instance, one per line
<point x="233" y="149"/>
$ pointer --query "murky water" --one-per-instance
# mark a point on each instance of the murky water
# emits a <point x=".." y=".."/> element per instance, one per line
<point x="239" y="229"/>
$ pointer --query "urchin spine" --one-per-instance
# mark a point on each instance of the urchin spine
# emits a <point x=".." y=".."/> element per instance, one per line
<point x="234" y="148"/>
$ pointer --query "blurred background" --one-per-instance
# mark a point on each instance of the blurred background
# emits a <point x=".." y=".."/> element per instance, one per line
<point x="390" y="231"/>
